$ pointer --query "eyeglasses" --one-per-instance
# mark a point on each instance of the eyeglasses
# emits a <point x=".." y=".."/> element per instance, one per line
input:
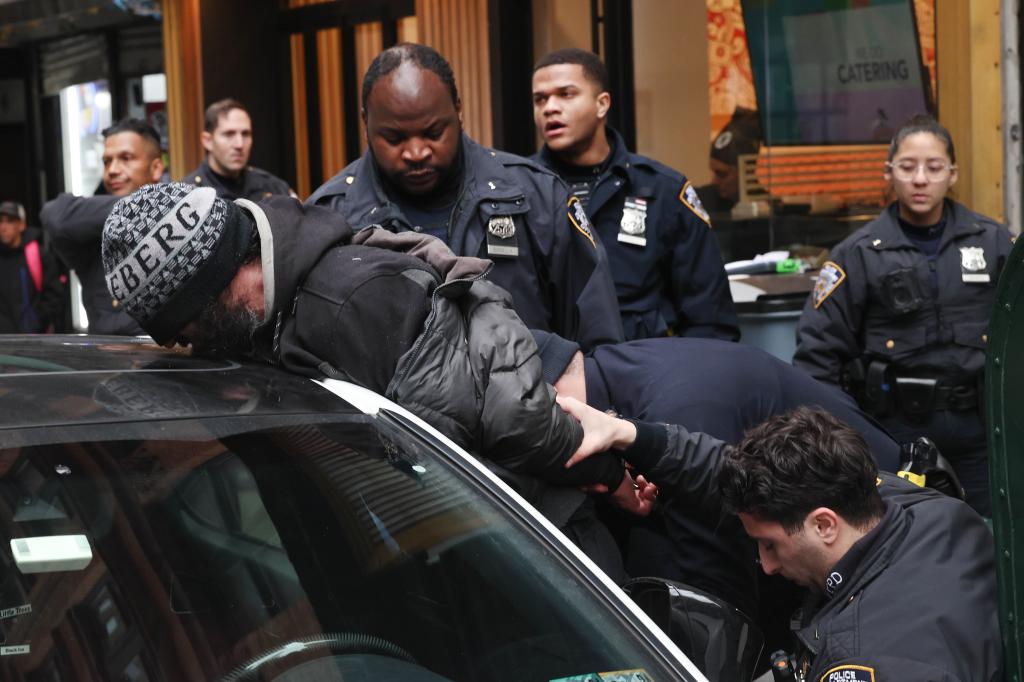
<point x="934" y="170"/>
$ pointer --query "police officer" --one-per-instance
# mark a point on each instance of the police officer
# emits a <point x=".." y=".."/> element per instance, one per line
<point x="666" y="264"/>
<point x="901" y="580"/>
<point x="227" y="139"/>
<point x="422" y="173"/>
<point x="668" y="380"/>
<point x="899" y="315"/>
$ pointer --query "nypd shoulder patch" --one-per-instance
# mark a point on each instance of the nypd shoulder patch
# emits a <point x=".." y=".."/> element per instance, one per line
<point x="849" y="673"/>
<point x="829" y="279"/>
<point x="578" y="218"/>
<point x="688" y="195"/>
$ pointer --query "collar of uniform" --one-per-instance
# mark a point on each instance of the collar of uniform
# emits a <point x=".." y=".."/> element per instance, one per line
<point x="222" y="180"/>
<point x="365" y="196"/>
<point x="619" y="157"/>
<point x="886" y="229"/>
<point x="846" y="569"/>
<point x="488" y="178"/>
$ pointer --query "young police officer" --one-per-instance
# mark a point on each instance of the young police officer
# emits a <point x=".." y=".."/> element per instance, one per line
<point x="899" y="316"/>
<point x="666" y="264"/>
<point x="901" y="579"/>
<point x="227" y="139"/>
<point x="422" y="173"/>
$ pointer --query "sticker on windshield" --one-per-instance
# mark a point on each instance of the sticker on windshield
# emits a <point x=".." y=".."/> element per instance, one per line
<point x="16" y="650"/>
<point x="15" y="611"/>
<point x="637" y="675"/>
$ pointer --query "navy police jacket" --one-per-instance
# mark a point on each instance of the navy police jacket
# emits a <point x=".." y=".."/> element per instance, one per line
<point x="721" y="389"/>
<point x="914" y="599"/>
<point x="665" y="261"/>
<point x="253" y="183"/>
<point x="522" y="217"/>
<point x="879" y="298"/>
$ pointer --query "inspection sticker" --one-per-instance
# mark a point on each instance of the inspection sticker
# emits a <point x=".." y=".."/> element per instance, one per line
<point x="15" y="650"/>
<point x="15" y="611"/>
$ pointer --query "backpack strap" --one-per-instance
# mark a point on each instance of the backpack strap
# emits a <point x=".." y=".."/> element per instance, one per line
<point x="35" y="263"/>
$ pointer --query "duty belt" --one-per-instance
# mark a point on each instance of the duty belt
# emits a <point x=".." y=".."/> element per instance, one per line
<point x="920" y="396"/>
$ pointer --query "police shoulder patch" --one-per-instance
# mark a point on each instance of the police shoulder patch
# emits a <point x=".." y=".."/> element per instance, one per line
<point x="849" y="673"/>
<point x="688" y="195"/>
<point x="578" y="218"/>
<point x="829" y="279"/>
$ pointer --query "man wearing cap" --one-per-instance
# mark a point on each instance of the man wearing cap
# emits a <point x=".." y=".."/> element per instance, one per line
<point x="227" y="139"/>
<point x="717" y="388"/>
<point x="422" y="173"/>
<point x="31" y="293"/>
<point x="397" y="313"/>
<point x="131" y="159"/>
<point x="742" y="135"/>
<point x="667" y="268"/>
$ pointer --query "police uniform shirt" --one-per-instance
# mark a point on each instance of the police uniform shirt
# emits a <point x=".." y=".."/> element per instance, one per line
<point x="874" y="299"/>
<point x="666" y="264"/>
<point x="252" y="183"/>
<point x="520" y="216"/>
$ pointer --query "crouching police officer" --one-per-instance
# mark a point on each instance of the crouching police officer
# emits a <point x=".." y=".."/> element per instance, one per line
<point x="899" y="316"/>
<point x="901" y="579"/>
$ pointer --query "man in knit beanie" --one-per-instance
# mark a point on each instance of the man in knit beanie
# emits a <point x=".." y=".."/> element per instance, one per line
<point x="397" y="313"/>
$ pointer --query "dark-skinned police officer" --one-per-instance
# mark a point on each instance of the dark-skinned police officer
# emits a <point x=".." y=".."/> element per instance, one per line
<point x="666" y="264"/>
<point x="899" y="316"/>
<point x="421" y="172"/>
<point x="227" y="139"/>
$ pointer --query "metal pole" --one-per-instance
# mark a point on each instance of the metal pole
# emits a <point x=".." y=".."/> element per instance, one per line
<point x="1009" y="12"/>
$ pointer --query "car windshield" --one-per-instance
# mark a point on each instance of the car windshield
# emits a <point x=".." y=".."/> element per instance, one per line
<point x="338" y="551"/>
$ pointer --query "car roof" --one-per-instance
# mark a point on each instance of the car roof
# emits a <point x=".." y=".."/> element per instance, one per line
<point x="58" y="380"/>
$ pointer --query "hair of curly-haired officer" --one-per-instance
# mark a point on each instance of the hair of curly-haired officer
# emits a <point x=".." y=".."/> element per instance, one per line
<point x="794" y="463"/>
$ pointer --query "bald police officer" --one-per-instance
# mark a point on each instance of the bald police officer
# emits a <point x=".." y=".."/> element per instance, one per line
<point x="422" y="173"/>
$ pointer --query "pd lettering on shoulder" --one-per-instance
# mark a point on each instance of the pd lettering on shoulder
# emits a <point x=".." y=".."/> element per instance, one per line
<point x="160" y="244"/>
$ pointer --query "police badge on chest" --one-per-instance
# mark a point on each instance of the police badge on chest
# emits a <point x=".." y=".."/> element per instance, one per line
<point x="633" y="226"/>
<point x="501" y="237"/>
<point x="972" y="264"/>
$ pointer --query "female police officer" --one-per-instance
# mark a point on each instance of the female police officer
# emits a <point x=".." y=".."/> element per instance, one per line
<point x="898" y="317"/>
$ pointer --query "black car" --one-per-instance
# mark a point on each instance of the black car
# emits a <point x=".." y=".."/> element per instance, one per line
<point x="177" y="518"/>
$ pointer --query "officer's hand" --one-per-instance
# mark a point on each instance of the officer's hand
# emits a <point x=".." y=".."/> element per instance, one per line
<point x="637" y="497"/>
<point x="601" y="431"/>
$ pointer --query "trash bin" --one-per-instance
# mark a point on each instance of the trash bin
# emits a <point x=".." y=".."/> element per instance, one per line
<point x="768" y="308"/>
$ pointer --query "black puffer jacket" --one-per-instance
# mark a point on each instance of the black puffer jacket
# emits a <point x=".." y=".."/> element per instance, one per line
<point x="401" y="314"/>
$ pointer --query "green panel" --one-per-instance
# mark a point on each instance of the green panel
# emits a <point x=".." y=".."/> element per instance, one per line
<point x="1004" y="394"/>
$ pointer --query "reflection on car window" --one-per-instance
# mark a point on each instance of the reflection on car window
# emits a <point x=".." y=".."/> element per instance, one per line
<point x="326" y="551"/>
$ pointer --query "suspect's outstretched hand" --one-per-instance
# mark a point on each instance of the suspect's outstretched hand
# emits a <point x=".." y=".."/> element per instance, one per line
<point x="601" y="431"/>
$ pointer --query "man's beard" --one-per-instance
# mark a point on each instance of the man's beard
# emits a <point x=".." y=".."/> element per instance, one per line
<point x="225" y="331"/>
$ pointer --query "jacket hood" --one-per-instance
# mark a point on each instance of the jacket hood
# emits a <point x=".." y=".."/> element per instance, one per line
<point x="292" y="239"/>
<point x="433" y="252"/>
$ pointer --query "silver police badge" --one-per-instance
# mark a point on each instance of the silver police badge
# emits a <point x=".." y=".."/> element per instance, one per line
<point x="502" y="226"/>
<point x="972" y="264"/>
<point x="633" y="224"/>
